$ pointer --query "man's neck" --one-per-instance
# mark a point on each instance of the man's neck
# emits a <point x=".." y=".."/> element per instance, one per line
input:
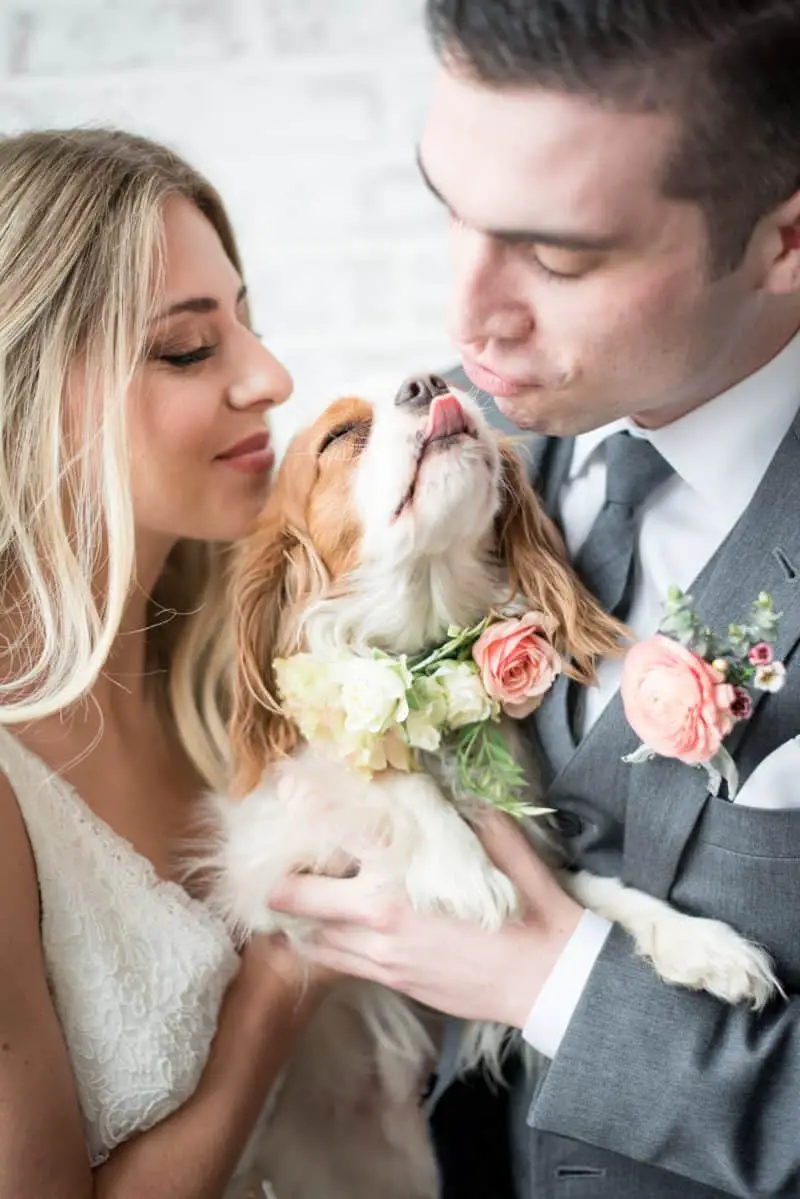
<point x="755" y="353"/>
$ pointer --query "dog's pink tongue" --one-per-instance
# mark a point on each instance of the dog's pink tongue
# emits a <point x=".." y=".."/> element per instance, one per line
<point x="446" y="418"/>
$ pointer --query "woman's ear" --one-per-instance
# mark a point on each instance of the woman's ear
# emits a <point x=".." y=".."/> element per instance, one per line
<point x="534" y="554"/>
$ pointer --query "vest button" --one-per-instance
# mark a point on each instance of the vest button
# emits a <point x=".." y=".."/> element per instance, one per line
<point x="569" y="824"/>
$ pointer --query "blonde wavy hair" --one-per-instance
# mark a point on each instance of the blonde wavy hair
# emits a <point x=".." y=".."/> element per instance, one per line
<point x="81" y="275"/>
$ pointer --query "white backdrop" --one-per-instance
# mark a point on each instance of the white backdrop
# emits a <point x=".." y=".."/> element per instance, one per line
<point x="305" y="114"/>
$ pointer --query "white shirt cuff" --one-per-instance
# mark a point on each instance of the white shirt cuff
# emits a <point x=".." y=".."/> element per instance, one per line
<point x="550" y="1016"/>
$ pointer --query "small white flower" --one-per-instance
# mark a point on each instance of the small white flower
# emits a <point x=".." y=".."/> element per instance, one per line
<point x="771" y="677"/>
<point x="467" y="702"/>
<point x="427" y="715"/>
<point x="373" y="692"/>
<point x="422" y="732"/>
<point x="371" y="754"/>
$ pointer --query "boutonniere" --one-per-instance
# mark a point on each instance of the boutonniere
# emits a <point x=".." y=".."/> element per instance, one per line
<point x="685" y="689"/>
<point x="380" y="711"/>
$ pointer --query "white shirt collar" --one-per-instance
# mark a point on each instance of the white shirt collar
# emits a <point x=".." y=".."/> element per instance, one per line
<point x="723" y="448"/>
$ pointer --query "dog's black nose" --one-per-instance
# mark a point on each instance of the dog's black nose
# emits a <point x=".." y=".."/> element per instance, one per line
<point x="419" y="390"/>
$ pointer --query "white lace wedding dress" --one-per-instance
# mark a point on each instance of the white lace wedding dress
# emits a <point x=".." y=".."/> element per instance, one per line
<point x="137" y="968"/>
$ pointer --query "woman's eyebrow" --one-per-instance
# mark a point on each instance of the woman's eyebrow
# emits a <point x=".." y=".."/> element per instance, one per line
<point x="199" y="304"/>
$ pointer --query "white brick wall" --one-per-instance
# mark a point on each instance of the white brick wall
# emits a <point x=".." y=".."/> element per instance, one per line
<point x="305" y="114"/>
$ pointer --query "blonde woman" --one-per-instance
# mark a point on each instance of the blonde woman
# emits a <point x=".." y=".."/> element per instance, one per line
<point x="136" y="1047"/>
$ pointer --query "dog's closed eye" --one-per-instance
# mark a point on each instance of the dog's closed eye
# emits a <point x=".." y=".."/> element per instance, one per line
<point x="357" y="431"/>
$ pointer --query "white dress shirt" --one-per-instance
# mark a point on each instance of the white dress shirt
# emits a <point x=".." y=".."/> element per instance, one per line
<point x="720" y="453"/>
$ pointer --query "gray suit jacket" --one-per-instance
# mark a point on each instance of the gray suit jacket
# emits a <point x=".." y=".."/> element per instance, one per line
<point x="655" y="1091"/>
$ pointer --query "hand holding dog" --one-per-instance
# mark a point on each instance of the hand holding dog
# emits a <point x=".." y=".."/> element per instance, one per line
<point x="449" y="964"/>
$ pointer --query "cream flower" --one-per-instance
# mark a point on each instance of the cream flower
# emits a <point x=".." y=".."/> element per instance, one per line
<point x="311" y="695"/>
<point x="467" y="702"/>
<point x="373" y="692"/>
<point x="428" y="714"/>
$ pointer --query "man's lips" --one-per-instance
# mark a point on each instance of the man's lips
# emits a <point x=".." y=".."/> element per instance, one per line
<point x="492" y="383"/>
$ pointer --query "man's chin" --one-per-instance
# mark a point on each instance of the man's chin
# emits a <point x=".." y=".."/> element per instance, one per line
<point x="524" y="410"/>
<point x="543" y="412"/>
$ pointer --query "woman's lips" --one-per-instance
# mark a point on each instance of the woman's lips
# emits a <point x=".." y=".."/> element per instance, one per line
<point x="252" y="456"/>
<point x="494" y="384"/>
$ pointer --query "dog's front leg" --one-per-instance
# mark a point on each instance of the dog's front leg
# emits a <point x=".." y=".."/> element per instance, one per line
<point x="693" y="952"/>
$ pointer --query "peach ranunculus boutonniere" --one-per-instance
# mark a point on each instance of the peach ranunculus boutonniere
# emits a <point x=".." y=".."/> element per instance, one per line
<point x="684" y="689"/>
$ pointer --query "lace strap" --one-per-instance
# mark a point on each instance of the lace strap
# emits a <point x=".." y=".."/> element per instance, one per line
<point x="25" y="772"/>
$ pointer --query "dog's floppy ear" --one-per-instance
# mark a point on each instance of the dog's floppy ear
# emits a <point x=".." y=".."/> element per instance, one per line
<point x="275" y="573"/>
<point x="534" y="553"/>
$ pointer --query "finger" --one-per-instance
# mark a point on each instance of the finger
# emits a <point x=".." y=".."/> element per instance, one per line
<point x="351" y="964"/>
<point x="352" y="939"/>
<point x="321" y="898"/>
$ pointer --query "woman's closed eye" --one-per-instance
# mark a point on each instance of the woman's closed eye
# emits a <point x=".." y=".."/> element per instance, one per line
<point x="182" y="358"/>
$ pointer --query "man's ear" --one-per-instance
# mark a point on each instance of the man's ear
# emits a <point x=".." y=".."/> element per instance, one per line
<point x="776" y="242"/>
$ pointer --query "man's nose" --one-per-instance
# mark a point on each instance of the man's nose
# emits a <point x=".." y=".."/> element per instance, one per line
<point x="419" y="390"/>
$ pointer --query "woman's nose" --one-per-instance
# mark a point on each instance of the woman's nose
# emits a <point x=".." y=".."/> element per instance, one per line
<point x="267" y="385"/>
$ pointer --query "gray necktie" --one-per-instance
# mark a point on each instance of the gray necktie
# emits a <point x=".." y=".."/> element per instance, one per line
<point x="606" y="561"/>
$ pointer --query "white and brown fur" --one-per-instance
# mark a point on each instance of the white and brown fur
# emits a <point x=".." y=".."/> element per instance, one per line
<point x="374" y="537"/>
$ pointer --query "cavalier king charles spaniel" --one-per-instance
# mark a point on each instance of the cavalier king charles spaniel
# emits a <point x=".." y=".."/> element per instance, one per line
<point x="387" y="525"/>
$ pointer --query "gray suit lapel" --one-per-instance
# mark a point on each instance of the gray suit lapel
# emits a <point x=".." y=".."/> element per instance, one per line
<point x="762" y="553"/>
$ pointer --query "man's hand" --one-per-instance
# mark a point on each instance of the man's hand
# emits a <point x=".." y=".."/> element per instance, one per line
<point x="446" y="963"/>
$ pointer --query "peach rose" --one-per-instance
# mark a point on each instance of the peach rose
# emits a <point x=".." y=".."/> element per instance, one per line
<point x="517" y="664"/>
<point x="678" y="704"/>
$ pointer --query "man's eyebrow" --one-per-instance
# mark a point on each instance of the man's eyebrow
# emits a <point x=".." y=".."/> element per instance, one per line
<point x="200" y="304"/>
<point x="555" y="238"/>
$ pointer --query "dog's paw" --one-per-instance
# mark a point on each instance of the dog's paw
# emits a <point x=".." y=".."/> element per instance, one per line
<point x="477" y="891"/>
<point x="494" y="902"/>
<point x="707" y="955"/>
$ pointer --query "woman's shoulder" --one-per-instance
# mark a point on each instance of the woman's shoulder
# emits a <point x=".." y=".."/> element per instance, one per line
<point x="19" y="898"/>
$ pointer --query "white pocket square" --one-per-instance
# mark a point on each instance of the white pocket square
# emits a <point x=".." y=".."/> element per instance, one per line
<point x="775" y="783"/>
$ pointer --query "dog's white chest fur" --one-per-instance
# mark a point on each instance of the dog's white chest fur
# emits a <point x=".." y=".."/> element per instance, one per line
<point x="313" y="813"/>
<point x="357" y="1074"/>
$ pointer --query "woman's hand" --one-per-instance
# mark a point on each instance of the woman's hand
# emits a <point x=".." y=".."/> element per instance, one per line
<point x="446" y="963"/>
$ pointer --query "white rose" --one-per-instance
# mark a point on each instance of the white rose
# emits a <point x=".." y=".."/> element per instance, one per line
<point x="305" y="682"/>
<point x="467" y="702"/>
<point x="373" y="692"/>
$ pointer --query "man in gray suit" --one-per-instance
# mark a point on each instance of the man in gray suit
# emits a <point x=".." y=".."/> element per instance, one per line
<point x="623" y="181"/>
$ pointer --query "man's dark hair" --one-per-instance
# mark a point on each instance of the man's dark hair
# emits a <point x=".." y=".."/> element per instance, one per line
<point x="728" y="69"/>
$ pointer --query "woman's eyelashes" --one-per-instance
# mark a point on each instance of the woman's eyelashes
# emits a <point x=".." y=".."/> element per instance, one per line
<point x="177" y="356"/>
<point x="186" y="357"/>
<point x="188" y="351"/>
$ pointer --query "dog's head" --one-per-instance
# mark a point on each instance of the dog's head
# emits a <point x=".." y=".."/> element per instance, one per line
<point x="387" y="524"/>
